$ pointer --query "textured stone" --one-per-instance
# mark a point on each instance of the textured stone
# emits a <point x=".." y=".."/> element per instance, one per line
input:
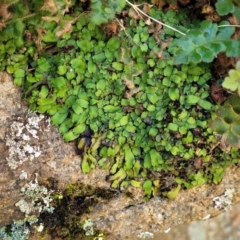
<point x="57" y="165"/>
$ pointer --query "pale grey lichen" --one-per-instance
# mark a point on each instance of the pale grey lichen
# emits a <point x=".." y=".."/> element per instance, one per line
<point x="206" y="217"/>
<point x="23" y="175"/>
<point x="100" y="236"/>
<point x="19" y="139"/>
<point x="167" y="230"/>
<point x="145" y="235"/>
<point x="17" y="231"/>
<point x="23" y="142"/>
<point x="36" y="199"/>
<point x="225" y="200"/>
<point x="40" y="227"/>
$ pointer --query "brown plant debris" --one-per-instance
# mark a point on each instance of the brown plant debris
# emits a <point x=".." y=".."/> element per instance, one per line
<point x="217" y="93"/>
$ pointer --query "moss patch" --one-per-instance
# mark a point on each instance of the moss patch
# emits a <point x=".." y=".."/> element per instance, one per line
<point x="77" y="200"/>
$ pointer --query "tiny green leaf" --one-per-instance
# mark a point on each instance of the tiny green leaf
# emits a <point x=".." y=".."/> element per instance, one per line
<point x="147" y="188"/>
<point x="101" y="85"/>
<point x="110" y="108"/>
<point x="82" y="103"/>
<point x="236" y="128"/>
<point x="46" y="101"/>
<point x="59" y="82"/>
<point x="205" y="104"/>
<point x="62" y="69"/>
<point x="151" y="108"/>
<point x="207" y="54"/>
<point x="43" y="65"/>
<point x="19" y="73"/>
<point x="113" y="43"/>
<point x="130" y="128"/>
<point x="192" y="99"/>
<point x="123" y="121"/>
<point x="153" y="132"/>
<point x="58" y="118"/>
<point x="77" y="109"/>
<point x="219" y="126"/>
<point x="231" y="48"/>
<point x="147" y="161"/>
<point x="156" y="158"/>
<point x="173" y="193"/>
<point x="172" y="126"/>
<point x="144" y="47"/>
<point x="135" y="183"/>
<point x="18" y="81"/>
<point x="43" y="92"/>
<point x="129" y="158"/>
<point x="70" y="100"/>
<point x="224" y="7"/>
<point x="120" y="175"/>
<point x="153" y="98"/>
<point x="195" y="71"/>
<point x="225" y="33"/>
<point x="168" y="71"/>
<point x="85" y="164"/>
<point x="232" y="139"/>
<point x="80" y="128"/>
<point x="70" y="136"/>
<point x="173" y="93"/>
<point x="118" y="66"/>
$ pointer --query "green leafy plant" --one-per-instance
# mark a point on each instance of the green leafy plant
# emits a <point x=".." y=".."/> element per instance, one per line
<point x="232" y="82"/>
<point x="224" y="7"/>
<point x="227" y="122"/>
<point x="203" y="44"/>
<point x="122" y="98"/>
<point x="103" y="11"/>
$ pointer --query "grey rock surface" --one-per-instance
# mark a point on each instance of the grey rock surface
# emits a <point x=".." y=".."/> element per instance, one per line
<point x="29" y="145"/>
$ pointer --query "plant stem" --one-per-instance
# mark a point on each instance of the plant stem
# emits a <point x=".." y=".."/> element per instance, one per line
<point x="155" y="20"/>
<point x="21" y="18"/>
<point x="28" y="16"/>
<point x="229" y="26"/>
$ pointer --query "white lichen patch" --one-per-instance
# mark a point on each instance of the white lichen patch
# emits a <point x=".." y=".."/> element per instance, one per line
<point x="167" y="230"/>
<point x="18" y="230"/>
<point x="36" y="199"/>
<point x="23" y="175"/>
<point x="20" y="139"/>
<point x="40" y="227"/>
<point x="24" y="206"/>
<point x="206" y="217"/>
<point x="145" y="235"/>
<point x="225" y="200"/>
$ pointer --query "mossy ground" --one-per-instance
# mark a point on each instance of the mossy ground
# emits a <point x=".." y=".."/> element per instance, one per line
<point x="76" y="201"/>
<point x="115" y="90"/>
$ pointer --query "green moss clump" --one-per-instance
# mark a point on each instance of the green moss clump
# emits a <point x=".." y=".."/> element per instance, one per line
<point x="75" y="202"/>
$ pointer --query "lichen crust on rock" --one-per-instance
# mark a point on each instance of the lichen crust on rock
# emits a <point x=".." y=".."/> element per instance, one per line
<point x="22" y="139"/>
